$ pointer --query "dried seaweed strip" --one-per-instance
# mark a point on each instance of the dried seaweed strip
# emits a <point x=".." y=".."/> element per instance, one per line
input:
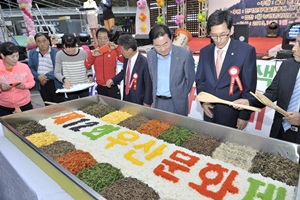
<point x="58" y="148"/>
<point x="154" y="127"/>
<point x="98" y="109"/>
<point x="29" y="127"/>
<point x="76" y="161"/>
<point x="134" y="122"/>
<point x="176" y="135"/>
<point x="128" y="189"/>
<point x="276" y="167"/>
<point x="202" y="144"/>
<point x="100" y="176"/>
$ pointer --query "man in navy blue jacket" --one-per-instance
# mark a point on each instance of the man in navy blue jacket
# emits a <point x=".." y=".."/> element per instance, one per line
<point x="138" y="85"/>
<point x="42" y="63"/>
<point x="231" y="77"/>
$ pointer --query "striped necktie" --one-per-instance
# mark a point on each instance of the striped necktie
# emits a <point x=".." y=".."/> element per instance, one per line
<point x="294" y="103"/>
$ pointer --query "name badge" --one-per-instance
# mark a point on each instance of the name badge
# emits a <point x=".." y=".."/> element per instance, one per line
<point x="294" y="128"/>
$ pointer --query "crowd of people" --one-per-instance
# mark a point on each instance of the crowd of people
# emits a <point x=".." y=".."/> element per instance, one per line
<point x="161" y="80"/>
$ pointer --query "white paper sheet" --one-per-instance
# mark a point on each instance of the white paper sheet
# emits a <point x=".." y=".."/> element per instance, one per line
<point x="76" y="88"/>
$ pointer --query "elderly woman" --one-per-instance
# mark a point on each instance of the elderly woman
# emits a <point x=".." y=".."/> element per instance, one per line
<point x="15" y="81"/>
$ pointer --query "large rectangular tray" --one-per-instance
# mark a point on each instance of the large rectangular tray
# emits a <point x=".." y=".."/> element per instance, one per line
<point x="79" y="190"/>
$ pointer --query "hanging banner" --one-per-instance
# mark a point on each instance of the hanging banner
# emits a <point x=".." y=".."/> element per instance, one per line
<point x="260" y="13"/>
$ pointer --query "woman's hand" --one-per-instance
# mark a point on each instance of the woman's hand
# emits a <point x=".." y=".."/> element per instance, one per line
<point x="17" y="110"/>
<point x="67" y="84"/>
<point x="20" y="86"/>
<point x="4" y="86"/>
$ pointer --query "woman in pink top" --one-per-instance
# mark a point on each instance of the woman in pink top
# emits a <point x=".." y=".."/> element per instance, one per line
<point x="15" y="81"/>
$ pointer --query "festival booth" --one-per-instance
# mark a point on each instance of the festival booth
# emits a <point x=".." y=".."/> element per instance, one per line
<point x="55" y="182"/>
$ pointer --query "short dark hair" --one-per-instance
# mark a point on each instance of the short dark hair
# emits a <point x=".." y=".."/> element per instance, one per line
<point x="219" y="17"/>
<point x="102" y="30"/>
<point x="40" y="34"/>
<point x="8" y="48"/>
<point x="127" y="42"/>
<point x="159" y="31"/>
<point x="69" y="40"/>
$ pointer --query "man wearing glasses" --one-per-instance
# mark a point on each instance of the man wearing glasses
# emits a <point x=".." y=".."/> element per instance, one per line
<point x="227" y="70"/>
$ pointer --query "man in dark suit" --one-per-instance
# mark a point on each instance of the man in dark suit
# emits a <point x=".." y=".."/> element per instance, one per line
<point x="284" y="87"/>
<point x="135" y="73"/>
<point x="230" y="75"/>
<point x="172" y="70"/>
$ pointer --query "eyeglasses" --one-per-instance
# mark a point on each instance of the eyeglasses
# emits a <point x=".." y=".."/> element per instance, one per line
<point x="221" y="36"/>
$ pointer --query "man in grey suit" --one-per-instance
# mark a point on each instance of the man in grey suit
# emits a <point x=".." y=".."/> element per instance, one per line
<point x="172" y="71"/>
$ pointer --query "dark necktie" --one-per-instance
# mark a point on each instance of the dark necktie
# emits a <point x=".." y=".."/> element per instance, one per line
<point x="127" y="81"/>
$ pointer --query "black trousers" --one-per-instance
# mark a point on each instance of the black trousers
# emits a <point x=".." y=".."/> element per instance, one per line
<point x="113" y="92"/>
<point x="7" y="111"/>
<point x="289" y="136"/>
<point x="48" y="93"/>
<point x="78" y="94"/>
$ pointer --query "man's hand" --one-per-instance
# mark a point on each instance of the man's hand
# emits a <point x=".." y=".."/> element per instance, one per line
<point x="43" y="79"/>
<point x="96" y="52"/>
<point x="241" y="124"/>
<point x="207" y="109"/>
<point x="109" y="83"/>
<point x="112" y="45"/>
<point x="240" y="101"/>
<point x="293" y="118"/>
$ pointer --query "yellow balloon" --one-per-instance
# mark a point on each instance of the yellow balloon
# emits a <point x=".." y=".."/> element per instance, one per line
<point x="23" y="5"/>
<point x="143" y="27"/>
